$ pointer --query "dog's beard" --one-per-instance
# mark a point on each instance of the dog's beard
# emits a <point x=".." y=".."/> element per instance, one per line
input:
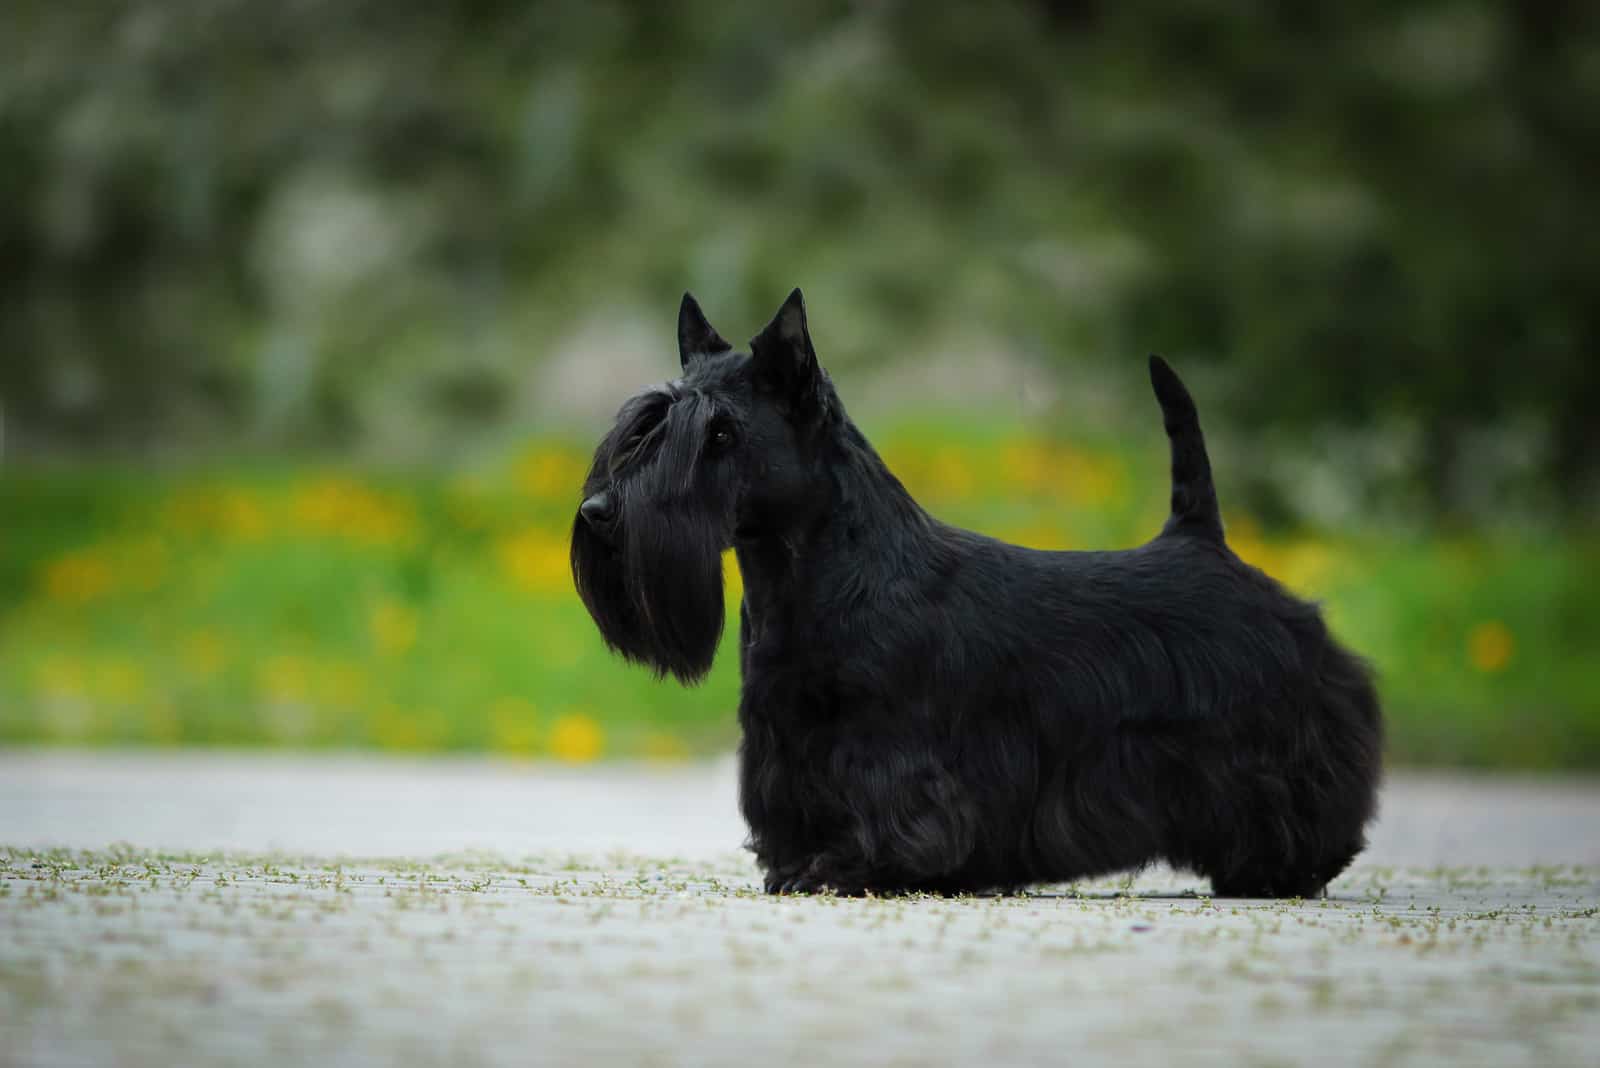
<point x="654" y="586"/>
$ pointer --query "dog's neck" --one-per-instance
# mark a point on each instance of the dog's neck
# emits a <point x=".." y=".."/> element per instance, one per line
<point x="821" y="559"/>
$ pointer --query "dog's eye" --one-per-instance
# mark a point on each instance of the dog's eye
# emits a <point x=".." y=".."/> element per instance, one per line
<point x="721" y="437"/>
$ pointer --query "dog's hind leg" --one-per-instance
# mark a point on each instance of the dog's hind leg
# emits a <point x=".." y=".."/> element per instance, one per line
<point x="1300" y="830"/>
<point x="1266" y="877"/>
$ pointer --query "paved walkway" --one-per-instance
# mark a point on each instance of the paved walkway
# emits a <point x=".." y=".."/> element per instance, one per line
<point x="373" y="806"/>
<point x="519" y="914"/>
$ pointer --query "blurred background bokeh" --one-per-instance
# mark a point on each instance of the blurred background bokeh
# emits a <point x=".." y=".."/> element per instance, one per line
<point x="310" y="313"/>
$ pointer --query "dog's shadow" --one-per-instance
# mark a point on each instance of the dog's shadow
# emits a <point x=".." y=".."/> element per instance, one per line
<point x="1109" y="895"/>
<point x="1067" y="894"/>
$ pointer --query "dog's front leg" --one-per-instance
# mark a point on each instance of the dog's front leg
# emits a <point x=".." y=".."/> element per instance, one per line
<point x="895" y="825"/>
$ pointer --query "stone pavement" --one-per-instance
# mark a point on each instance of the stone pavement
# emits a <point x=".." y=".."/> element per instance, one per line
<point x="221" y="909"/>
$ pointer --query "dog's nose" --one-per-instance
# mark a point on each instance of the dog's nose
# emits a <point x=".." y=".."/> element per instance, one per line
<point x="597" y="509"/>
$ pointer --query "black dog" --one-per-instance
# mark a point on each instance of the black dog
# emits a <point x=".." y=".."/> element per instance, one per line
<point x="925" y="708"/>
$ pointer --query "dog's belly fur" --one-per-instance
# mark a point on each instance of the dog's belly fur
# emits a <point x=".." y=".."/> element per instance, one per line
<point x="1109" y="710"/>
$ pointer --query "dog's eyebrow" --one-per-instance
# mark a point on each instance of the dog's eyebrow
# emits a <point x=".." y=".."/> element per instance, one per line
<point x="639" y="428"/>
<point x="687" y="422"/>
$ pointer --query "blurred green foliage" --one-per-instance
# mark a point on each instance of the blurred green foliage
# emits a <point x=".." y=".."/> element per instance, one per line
<point x="252" y="224"/>
<point x="299" y="606"/>
<point x="1365" y="232"/>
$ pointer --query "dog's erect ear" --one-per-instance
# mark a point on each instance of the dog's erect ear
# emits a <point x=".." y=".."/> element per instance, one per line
<point x="696" y="337"/>
<point x="783" y="354"/>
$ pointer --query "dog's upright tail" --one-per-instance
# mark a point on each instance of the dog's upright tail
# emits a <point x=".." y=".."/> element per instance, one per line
<point x="1194" y="498"/>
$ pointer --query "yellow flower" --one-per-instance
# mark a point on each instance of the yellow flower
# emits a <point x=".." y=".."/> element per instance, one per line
<point x="1245" y="540"/>
<point x="536" y="562"/>
<point x="340" y="684"/>
<point x="1036" y="535"/>
<point x="906" y="465"/>
<point x="576" y="738"/>
<point x="550" y="473"/>
<point x="117" y="680"/>
<point x="1241" y="526"/>
<point x="210" y="509"/>
<point x="338" y="507"/>
<point x="1305" y="565"/>
<point x="466" y="504"/>
<point x="665" y="748"/>
<point x="320" y="505"/>
<point x="187" y="512"/>
<point x="78" y="577"/>
<point x="1097" y="480"/>
<point x="285" y="677"/>
<point x="203" y="654"/>
<point x="1028" y="466"/>
<point x="513" y="726"/>
<point x="62" y="677"/>
<point x="241" y="515"/>
<point x="953" y="474"/>
<point x="1490" y="646"/>
<point x="161" y="723"/>
<point x="393" y="626"/>
<point x="392" y="728"/>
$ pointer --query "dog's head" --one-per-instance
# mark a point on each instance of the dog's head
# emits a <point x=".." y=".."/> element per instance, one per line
<point x="727" y="453"/>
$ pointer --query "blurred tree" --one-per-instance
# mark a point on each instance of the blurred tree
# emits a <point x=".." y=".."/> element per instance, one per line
<point x="223" y="221"/>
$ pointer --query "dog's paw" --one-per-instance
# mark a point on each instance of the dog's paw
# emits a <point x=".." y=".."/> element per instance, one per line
<point x="803" y="882"/>
<point x="806" y="877"/>
<point x="777" y="880"/>
<point x="812" y="879"/>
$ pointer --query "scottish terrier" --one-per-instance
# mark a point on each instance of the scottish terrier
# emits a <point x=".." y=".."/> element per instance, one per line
<point x="929" y="709"/>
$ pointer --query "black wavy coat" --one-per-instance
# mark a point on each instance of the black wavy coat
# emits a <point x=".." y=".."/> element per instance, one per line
<point x="926" y="708"/>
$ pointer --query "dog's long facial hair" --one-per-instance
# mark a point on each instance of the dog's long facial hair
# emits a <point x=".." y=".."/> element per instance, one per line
<point x="647" y="549"/>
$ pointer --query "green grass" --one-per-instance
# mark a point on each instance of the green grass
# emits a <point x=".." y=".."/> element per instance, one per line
<point x="296" y="605"/>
